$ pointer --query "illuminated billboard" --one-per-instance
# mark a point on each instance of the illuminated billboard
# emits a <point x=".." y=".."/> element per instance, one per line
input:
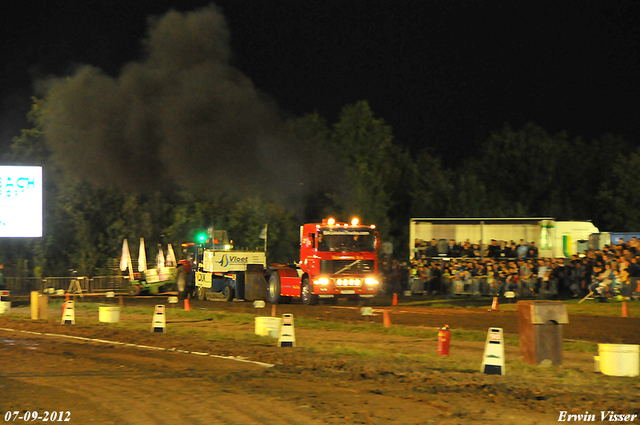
<point x="20" y="202"/>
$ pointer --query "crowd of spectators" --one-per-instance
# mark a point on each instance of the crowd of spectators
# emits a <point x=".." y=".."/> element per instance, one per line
<point x="502" y="267"/>
<point x="497" y="249"/>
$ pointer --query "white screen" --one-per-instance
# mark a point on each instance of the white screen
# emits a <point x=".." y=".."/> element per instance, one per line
<point x="20" y="201"/>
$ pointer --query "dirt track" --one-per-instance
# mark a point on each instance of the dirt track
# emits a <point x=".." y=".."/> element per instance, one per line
<point x="598" y="329"/>
<point x="111" y="383"/>
<point x="592" y="328"/>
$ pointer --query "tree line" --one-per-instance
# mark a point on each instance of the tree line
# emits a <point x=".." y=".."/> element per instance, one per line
<point x="362" y="171"/>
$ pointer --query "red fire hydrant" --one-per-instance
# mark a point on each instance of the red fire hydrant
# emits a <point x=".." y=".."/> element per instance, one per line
<point x="444" y="341"/>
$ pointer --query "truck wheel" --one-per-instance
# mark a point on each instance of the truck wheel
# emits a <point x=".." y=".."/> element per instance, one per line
<point x="202" y="293"/>
<point x="181" y="283"/>
<point x="228" y="293"/>
<point x="308" y="297"/>
<point x="274" y="288"/>
<point x="134" y="290"/>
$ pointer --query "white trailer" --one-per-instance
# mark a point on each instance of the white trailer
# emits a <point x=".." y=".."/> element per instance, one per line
<point x="553" y="238"/>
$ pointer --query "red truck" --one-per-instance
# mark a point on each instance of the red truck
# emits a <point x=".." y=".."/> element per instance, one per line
<point x="337" y="260"/>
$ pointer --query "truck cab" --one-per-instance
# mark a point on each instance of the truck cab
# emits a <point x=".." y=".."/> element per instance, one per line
<point x="337" y="260"/>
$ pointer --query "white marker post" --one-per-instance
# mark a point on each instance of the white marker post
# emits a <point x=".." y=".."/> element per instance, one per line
<point x="493" y="359"/>
<point x="159" y="321"/>
<point x="68" y="313"/>
<point x="287" y="336"/>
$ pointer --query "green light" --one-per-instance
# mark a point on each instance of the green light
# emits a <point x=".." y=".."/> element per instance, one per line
<point x="202" y="237"/>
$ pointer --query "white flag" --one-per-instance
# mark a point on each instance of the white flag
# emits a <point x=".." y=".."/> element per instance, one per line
<point x="125" y="260"/>
<point x="160" y="258"/>
<point x="171" y="257"/>
<point x="142" y="257"/>
<point x="263" y="234"/>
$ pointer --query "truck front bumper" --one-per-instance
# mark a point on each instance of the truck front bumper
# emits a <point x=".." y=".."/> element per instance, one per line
<point x="327" y="291"/>
<point x="366" y="285"/>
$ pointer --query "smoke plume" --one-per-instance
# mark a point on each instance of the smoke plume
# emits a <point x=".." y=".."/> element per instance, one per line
<point x="180" y="115"/>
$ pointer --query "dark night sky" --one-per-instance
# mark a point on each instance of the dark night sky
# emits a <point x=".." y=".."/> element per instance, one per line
<point x="443" y="73"/>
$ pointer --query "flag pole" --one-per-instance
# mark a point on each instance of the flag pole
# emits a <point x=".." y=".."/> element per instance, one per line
<point x="266" y="231"/>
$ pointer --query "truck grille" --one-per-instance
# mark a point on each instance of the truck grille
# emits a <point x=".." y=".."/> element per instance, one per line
<point x="346" y="266"/>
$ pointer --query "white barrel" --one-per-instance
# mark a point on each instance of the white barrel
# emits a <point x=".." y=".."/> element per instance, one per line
<point x="109" y="314"/>
<point x="619" y="359"/>
<point x="268" y="326"/>
<point x="5" y="307"/>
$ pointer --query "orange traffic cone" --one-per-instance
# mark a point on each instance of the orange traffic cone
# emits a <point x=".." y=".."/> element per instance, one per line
<point x="494" y="305"/>
<point x="66" y="297"/>
<point x="386" y="321"/>
<point x="273" y="310"/>
<point x="186" y="305"/>
<point x="625" y="312"/>
<point x="121" y="301"/>
<point x="395" y="299"/>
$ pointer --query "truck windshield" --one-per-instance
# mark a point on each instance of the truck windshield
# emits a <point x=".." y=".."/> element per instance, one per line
<point x="353" y="240"/>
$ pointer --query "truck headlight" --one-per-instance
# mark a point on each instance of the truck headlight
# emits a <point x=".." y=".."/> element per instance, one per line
<point x="371" y="281"/>
<point x="323" y="281"/>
